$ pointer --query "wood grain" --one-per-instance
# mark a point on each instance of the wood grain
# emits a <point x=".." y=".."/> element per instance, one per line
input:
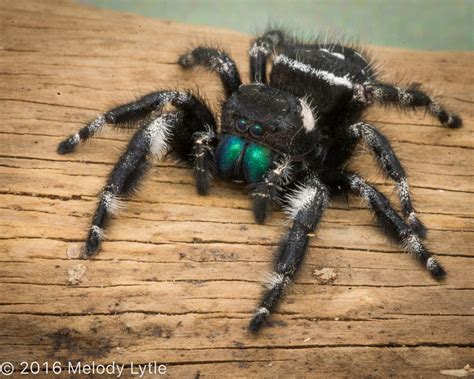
<point x="179" y="274"/>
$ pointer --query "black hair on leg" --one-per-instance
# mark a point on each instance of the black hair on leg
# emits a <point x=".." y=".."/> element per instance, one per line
<point x="122" y="114"/>
<point x="388" y="160"/>
<point x="262" y="47"/>
<point x="267" y="191"/>
<point x="137" y="110"/>
<point x="214" y="60"/>
<point x="390" y="221"/>
<point x="406" y="97"/>
<point x="70" y="143"/>
<point x="204" y="163"/>
<point x="305" y="206"/>
<point x="192" y="129"/>
<point x="153" y="139"/>
<point x="194" y="141"/>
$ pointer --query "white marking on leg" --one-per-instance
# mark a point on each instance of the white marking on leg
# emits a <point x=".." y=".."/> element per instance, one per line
<point x="222" y="65"/>
<point x="257" y="49"/>
<point x="180" y="97"/>
<point x="98" y="231"/>
<point x="273" y="280"/>
<point x="301" y="198"/>
<point x="413" y="244"/>
<point x="158" y="133"/>
<point x="359" y="185"/>
<point x="403" y="190"/>
<point x="412" y="218"/>
<point x="96" y="125"/>
<point x="378" y="93"/>
<point x="264" y="45"/>
<point x="327" y="76"/>
<point x="112" y="203"/>
<point x="367" y="133"/>
<point x="360" y="95"/>
<point x="262" y="310"/>
<point x="434" y="108"/>
<point x="404" y="97"/>
<point x="431" y="263"/>
<point x="450" y="120"/>
<point x="205" y="136"/>
<point x="355" y="131"/>
<point x="188" y="59"/>
<point x="75" y="139"/>
<point x="307" y="116"/>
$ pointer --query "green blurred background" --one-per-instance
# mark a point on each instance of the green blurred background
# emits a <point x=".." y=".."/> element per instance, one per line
<point x="415" y="24"/>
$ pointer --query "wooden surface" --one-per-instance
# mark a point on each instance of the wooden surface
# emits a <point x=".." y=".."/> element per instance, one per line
<point x="180" y="274"/>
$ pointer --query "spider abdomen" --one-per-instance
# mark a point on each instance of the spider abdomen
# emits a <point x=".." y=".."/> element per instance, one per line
<point x="239" y="159"/>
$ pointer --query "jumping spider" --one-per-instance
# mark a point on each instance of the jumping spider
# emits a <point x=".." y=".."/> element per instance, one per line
<point x="288" y="138"/>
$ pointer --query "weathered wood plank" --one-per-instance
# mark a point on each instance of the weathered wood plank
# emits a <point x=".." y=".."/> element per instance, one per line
<point x="180" y="274"/>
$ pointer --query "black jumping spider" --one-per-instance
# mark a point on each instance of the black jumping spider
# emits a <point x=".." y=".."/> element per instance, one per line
<point x="288" y="139"/>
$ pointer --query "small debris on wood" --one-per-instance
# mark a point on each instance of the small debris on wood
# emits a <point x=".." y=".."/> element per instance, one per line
<point x="325" y="275"/>
<point x="467" y="371"/>
<point x="75" y="273"/>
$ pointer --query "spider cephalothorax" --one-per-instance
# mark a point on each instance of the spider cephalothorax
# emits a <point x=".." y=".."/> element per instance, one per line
<point x="288" y="140"/>
<point x="260" y="123"/>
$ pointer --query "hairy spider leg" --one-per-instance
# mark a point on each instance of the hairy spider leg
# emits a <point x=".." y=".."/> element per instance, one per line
<point x="389" y="162"/>
<point x="190" y="133"/>
<point x="267" y="191"/>
<point x="305" y="206"/>
<point x="126" y="113"/>
<point x="137" y="110"/>
<point x="152" y="138"/>
<point x="259" y="52"/>
<point x="192" y="143"/>
<point x="390" y="221"/>
<point x="405" y="97"/>
<point x="214" y="60"/>
<point x="204" y="162"/>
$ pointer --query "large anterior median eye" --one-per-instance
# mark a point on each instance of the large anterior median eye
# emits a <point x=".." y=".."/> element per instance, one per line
<point x="256" y="163"/>
<point x="256" y="130"/>
<point x="229" y="154"/>
<point x="242" y="125"/>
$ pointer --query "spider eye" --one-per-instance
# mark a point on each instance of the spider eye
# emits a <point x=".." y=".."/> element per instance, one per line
<point x="256" y="130"/>
<point x="242" y="125"/>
